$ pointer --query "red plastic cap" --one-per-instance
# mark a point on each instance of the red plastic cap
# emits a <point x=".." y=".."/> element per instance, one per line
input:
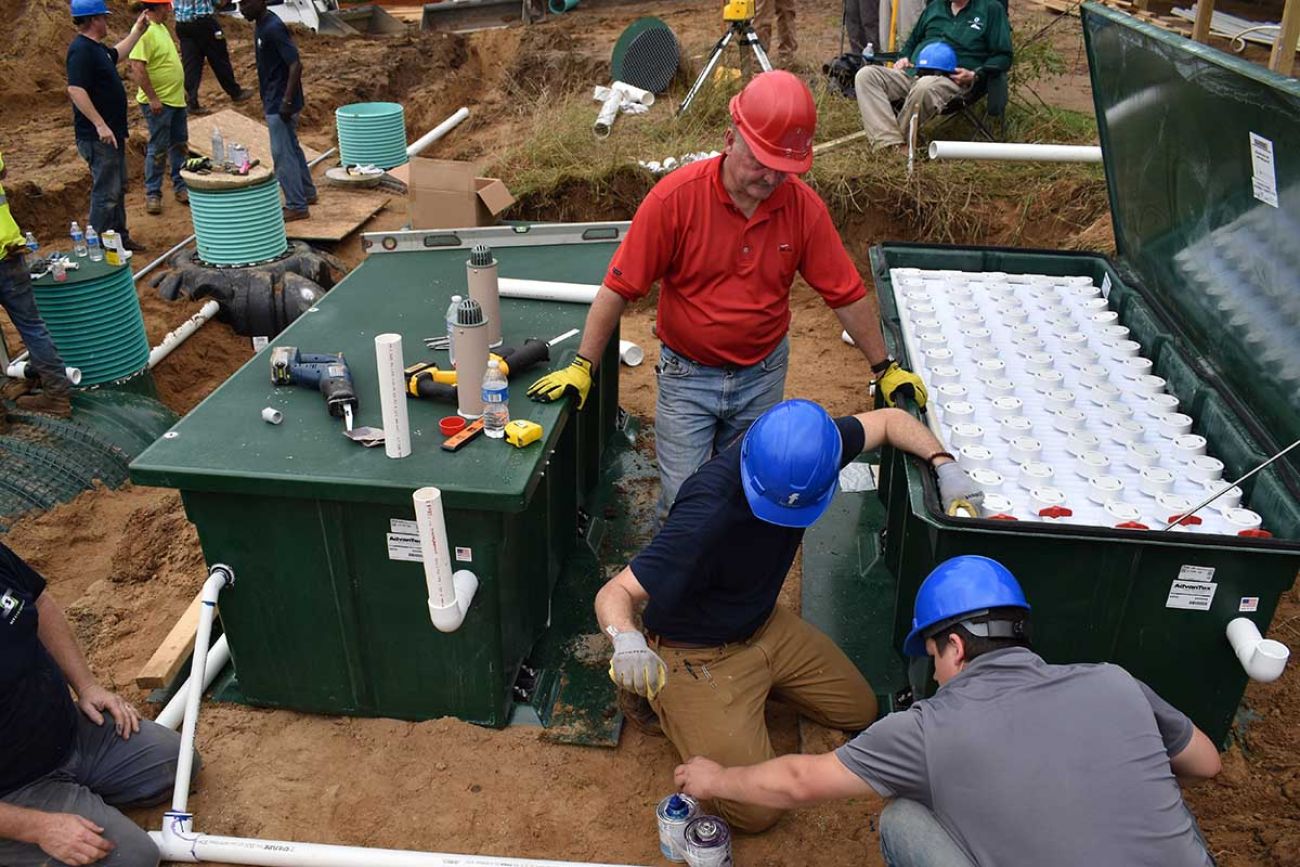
<point x="451" y="425"/>
<point x="777" y="117"/>
<point x="1189" y="521"/>
<point x="1256" y="534"/>
<point x="1001" y="516"/>
<point x="1131" y="525"/>
<point x="1055" y="512"/>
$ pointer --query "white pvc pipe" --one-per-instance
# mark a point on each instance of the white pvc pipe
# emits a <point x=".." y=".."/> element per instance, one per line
<point x="608" y="112"/>
<point x="219" y="576"/>
<point x="174" y="711"/>
<point x="392" y="395"/>
<point x="437" y="132"/>
<point x="634" y="93"/>
<point x="629" y="353"/>
<point x="449" y="593"/>
<point x="548" y="290"/>
<point x="181" y="333"/>
<point x="1037" y="153"/>
<point x="1263" y="658"/>
<point x="23" y="369"/>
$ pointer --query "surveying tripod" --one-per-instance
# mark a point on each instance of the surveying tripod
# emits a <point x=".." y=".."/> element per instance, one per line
<point x="739" y="14"/>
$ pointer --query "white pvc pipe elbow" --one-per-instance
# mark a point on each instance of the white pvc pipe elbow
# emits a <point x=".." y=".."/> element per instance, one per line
<point x="23" y="369"/>
<point x="450" y="594"/>
<point x="1263" y="658"/>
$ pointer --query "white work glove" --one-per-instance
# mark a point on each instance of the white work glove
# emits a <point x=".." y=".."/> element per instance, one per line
<point x="635" y="667"/>
<point x="957" y="491"/>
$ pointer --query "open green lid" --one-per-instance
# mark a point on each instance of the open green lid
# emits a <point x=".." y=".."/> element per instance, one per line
<point x="1202" y="160"/>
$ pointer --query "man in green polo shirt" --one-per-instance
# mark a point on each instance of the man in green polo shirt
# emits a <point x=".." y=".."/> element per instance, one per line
<point x="156" y="68"/>
<point x="976" y="30"/>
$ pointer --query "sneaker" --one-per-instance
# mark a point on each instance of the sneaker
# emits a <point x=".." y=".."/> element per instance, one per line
<point x="153" y="204"/>
<point x="183" y="196"/>
<point x="243" y="96"/>
<point x="50" y="404"/>
<point x="292" y="215"/>
<point x="15" y="388"/>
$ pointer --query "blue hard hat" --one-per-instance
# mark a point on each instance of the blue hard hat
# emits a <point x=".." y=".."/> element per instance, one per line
<point x="790" y="463"/>
<point x="937" y="57"/>
<point x="82" y="8"/>
<point x="960" y="586"/>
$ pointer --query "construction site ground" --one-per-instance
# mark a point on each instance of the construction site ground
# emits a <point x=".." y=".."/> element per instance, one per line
<point x="125" y="563"/>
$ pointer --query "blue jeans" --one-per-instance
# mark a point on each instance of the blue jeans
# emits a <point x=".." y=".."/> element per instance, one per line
<point x="169" y="136"/>
<point x="700" y="410"/>
<point x="911" y="836"/>
<point x="290" y="165"/>
<point x="107" y="185"/>
<point x="18" y="301"/>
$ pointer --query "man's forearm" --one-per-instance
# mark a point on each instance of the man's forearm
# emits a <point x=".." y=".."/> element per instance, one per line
<point x="140" y="72"/>
<point x="861" y="320"/>
<point x="81" y="99"/>
<point x="292" y="85"/>
<point x="602" y="319"/>
<point x="777" y="783"/>
<point x="19" y="823"/>
<point x="124" y="47"/>
<point x="56" y="634"/>
<point x="614" y="608"/>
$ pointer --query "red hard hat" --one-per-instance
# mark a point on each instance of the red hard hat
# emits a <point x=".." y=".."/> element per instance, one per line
<point x="776" y="115"/>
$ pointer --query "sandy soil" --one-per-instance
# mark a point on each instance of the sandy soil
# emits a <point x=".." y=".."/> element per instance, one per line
<point x="125" y="563"/>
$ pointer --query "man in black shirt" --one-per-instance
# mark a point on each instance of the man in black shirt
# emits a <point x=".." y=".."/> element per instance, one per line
<point x="718" y="644"/>
<point x="99" y="112"/>
<point x="65" y="765"/>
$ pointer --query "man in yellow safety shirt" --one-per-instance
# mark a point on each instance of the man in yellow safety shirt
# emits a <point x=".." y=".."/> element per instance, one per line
<point x="156" y="68"/>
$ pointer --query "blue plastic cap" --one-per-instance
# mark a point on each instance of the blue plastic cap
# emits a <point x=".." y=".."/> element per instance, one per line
<point x="677" y="807"/>
<point x="960" y="586"/>
<point x="790" y="463"/>
<point x="937" y="57"/>
<point x="82" y="8"/>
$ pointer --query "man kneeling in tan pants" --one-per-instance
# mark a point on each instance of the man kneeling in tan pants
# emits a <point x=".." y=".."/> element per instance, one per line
<point x="976" y="31"/>
<point x="716" y="644"/>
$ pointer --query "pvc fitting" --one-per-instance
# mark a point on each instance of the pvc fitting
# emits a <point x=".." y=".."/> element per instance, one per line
<point x="1067" y="420"/>
<point x="1096" y="304"/>
<point x="1174" y="505"/>
<point x="1035" y="474"/>
<point x="956" y="411"/>
<point x="951" y="391"/>
<point x="967" y="434"/>
<point x="1123" y="348"/>
<point x="990" y="368"/>
<point x="1059" y="398"/>
<point x="1162" y="403"/>
<point x="1081" y="442"/>
<point x="1113" y="332"/>
<point x="974" y="320"/>
<point x="1025" y="343"/>
<point x="1230" y="499"/>
<point x="1174" y="424"/>
<point x="1242" y="519"/>
<point x="1135" y="365"/>
<point x="1005" y="407"/>
<point x="1116" y="413"/>
<point x="927" y="327"/>
<point x="1263" y="658"/>
<point x="1146" y="383"/>
<point x="1024" y="449"/>
<point x="1104" y="395"/>
<point x="1104" y="489"/>
<point x="1188" y="446"/>
<point x="987" y="479"/>
<point x="1091" y="464"/>
<point x="270" y="415"/>
<point x="975" y="456"/>
<point x="1093" y="374"/>
<point x="1013" y="315"/>
<point x="1105" y="317"/>
<point x="630" y="354"/>
<point x="1038" y="361"/>
<point x="1155" y="481"/>
<point x="1043" y="500"/>
<point x="1013" y="426"/>
<point x="1139" y="455"/>
<point x="933" y="340"/>
<point x="998" y="504"/>
<point x="941" y="374"/>
<point x="1127" y="431"/>
<point x="1123" y="513"/>
<point x="937" y="354"/>
<point x="1046" y="380"/>
<point x="1204" y="468"/>
<point x="1073" y="340"/>
<point x="1000" y="387"/>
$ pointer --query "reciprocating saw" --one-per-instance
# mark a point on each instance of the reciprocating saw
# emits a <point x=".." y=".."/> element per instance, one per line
<point x="327" y="373"/>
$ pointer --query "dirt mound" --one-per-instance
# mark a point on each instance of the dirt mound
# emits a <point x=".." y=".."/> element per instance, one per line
<point x="162" y="543"/>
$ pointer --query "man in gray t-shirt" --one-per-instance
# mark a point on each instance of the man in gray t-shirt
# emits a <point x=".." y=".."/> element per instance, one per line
<point x="1013" y="761"/>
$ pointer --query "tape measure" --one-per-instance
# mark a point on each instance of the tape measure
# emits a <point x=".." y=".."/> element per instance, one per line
<point x="522" y="432"/>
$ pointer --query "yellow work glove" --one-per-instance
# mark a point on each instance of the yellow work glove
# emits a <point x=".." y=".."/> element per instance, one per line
<point x="896" y="377"/>
<point x="574" y="379"/>
<point x="635" y="667"/>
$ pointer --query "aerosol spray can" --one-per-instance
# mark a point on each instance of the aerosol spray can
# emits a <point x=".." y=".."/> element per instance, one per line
<point x="674" y="812"/>
<point x="469" y="339"/>
<point x="485" y="288"/>
<point x="708" y="842"/>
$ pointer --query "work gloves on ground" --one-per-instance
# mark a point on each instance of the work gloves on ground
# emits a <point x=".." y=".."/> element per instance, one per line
<point x="898" y="380"/>
<point x="572" y="380"/>
<point x="957" y="491"/>
<point x="635" y="667"/>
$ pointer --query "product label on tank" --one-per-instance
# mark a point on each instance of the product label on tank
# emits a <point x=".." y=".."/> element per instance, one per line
<point x="1248" y="604"/>
<point x="403" y="528"/>
<point x="464" y="555"/>
<point x="1191" y="595"/>
<point x="1187" y="573"/>
<point x="1264" y="175"/>
<point x="408" y="548"/>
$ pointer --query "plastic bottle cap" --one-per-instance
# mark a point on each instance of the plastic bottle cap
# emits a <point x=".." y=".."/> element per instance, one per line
<point x="451" y="425"/>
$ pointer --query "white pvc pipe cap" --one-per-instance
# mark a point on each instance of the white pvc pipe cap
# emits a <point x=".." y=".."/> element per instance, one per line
<point x="1139" y="455"/>
<point x="1081" y="441"/>
<point x="1013" y="426"/>
<point x="1123" y="513"/>
<point x="1000" y="387"/>
<point x="1204" y="468"/>
<point x="1174" y="424"/>
<point x="976" y="456"/>
<point x="1242" y="519"/>
<point x="1004" y="407"/>
<point x="1155" y="481"/>
<point x="1059" y="398"/>
<point x="987" y="479"/>
<point x="1231" y="498"/>
<point x="942" y="373"/>
<point x="1127" y="431"/>
<point x="1103" y="489"/>
<point x="1090" y="464"/>
<point x="967" y="434"/>
<point x="1035" y="474"/>
<point x="951" y="391"/>
<point x="1188" y="446"/>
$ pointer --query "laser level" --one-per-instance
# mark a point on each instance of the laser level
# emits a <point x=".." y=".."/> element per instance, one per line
<point x="739" y="15"/>
<point x="738" y="10"/>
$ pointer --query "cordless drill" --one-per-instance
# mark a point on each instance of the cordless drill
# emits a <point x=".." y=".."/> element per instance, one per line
<point x="324" y="372"/>
<point x="426" y="380"/>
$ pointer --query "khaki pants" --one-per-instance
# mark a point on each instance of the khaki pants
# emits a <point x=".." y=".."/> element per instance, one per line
<point x="712" y="705"/>
<point x="785" y="12"/>
<point x="878" y="86"/>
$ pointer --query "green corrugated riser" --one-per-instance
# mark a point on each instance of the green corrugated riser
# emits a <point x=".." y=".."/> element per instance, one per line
<point x="241" y="226"/>
<point x="95" y="320"/>
<point x="320" y="619"/>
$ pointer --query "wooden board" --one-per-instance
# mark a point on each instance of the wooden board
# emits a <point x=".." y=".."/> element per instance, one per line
<point x="167" y="660"/>
<point x="236" y="128"/>
<point x="337" y="214"/>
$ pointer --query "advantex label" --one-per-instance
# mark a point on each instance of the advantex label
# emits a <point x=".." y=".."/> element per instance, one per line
<point x="1191" y="595"/>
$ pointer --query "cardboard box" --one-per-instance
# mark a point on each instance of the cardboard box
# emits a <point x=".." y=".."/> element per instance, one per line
<point x="448" y="194"/>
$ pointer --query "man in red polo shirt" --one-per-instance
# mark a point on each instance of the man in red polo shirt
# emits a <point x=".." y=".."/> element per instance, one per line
<point x="725" y="238"/>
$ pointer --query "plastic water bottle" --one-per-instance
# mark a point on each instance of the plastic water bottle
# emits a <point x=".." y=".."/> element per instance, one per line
<point x="218" y="145"/>
<point x="451" y="326"/>
<point x="92" y="244"/>
<point x="78" y="241"/>
<point x="32" y="244"/>
<point x="869" y="54"/>
<point x="496" y="401"/>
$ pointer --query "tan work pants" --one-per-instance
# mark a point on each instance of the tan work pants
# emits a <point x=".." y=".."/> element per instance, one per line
<point x="785" y="13"/>
<point x="878" y="86"/>
<point x="712" y="704"/>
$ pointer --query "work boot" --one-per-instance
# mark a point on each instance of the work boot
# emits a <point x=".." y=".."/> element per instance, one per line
<point x="637" y="710"/>
<point x="313" y="199"/>
<point x="153" y="204"/>
<point x="133" y="246"/>
<point x="183" y="196"/>
<point x="45" y="402"/>
<point x="291" y="216"/>
<point x="243" y="95"/>
<point x="15" y="388"/>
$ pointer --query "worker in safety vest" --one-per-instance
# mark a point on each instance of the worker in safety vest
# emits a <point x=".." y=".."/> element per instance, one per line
<point x="18" y="301"/>
<point x="725" y="238"/>
<point x="1013" y="761"/>
<point x="716" y="644"/>
<point x="68" y="764"/>
<point x="954" y="44"/>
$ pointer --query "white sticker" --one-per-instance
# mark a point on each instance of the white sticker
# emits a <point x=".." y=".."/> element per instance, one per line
<point x="1105" y="287"/>
<point x="1263" y="174"/>
<point x="464" y="555"/>
<point x="1249" y="603"/>
<point x="403" y="528"/>
<point x="1191" y="595"/>
<point x="260" y="343"/>
<point x="1196" y="573"/>
<point x="406" y="548"/>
